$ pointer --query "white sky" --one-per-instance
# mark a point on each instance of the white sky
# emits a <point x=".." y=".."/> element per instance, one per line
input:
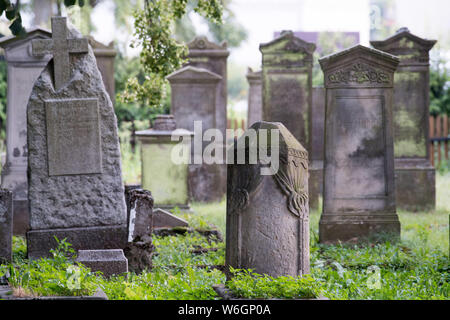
<point x="261" y="18"/>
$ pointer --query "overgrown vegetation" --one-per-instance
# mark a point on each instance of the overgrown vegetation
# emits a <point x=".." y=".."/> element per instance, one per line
<point x="186" y="266"/>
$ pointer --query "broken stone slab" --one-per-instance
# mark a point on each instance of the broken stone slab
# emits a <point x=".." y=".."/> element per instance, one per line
<point x="164" y="219"/>
<point x="139" y="249"/>
<point x="140" y="220"/>
<point x="109" y="262"/>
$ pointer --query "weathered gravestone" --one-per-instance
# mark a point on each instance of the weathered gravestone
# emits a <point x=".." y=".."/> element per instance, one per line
<point x="194" y="93"/>
<point x="415" y="176"/>
<point x="317" y="137"/>
<point x="254" y="111"/>
<point x="23" y="70"/>
<point x="287" y="83"/>
<point x="268" y="215"/>
<point x="359" y="194"/>
<point x="139" y="249"/>
<point x="213" y="57"/>
<point x="105" y="57"/>
<point x="165" y="162"/>
<point x="24" y="67"/>
<point x="75" y="185"/>
<point x="6" y="222"/>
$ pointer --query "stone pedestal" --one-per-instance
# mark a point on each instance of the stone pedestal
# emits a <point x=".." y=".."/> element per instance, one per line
<point x="268" y="215"/>
<point x="415" y="177"/>
<point x="287" y="84"/>
<point x="109" y="262"/>
<point x="254" y="112"/>
<point x="165" y="176"/>
<point x="23" y="70"/>
<point x="359" y="187"/>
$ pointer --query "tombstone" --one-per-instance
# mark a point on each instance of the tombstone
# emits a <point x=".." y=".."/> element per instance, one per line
<point x="110" y="262"/>
<point x="213" y="57"/>
<point x="6" y="225"/>
<point x="163" y="219"/>
<point x="287" y="83"/>
<point x="75" y="188"/>
<point x="105" y="57"/>
<point x="254" y="112"/>
<point x="267" y="215"/>
<point x="139" y="250"/>
<point x="167" y="178"/>
<point x="358" y="189"/>
<point x="415" y="176"/>
<point x="23" y="70"/>
<point x="194" y="93"/>
<point x="317" y="137"/>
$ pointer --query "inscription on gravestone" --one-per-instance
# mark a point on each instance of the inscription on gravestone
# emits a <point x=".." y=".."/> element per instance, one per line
<point x="73" y="136"/>
<point x="360" y="150"/>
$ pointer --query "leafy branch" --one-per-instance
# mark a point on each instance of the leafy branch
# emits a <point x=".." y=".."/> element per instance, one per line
<point x="161" y="54"/>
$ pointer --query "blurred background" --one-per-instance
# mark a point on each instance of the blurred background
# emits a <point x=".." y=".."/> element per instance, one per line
<point x="331" y="24"/>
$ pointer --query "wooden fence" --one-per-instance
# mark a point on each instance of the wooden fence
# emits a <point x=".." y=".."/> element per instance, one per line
<point x="439" y="139"/>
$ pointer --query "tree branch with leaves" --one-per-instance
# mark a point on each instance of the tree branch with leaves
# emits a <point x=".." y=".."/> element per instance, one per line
<point x="161" y="54"/>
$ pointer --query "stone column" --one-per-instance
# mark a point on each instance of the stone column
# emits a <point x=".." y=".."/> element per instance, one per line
<point x="6" y="225"/>
<point x="317" y="138"/>
<point x="213" y="57"/>
<point x="254" y="110"/>
<point x="358" y="190"/>
<point x="194" y="99"/>
<point x="105" y="57"/>
<point x="23" y="70"/>
<point x="415" y="176"/>
<point x="287" y="83"/>
<point x="268" y="215"/>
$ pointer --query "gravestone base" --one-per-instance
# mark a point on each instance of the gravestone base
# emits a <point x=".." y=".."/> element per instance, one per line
<point x="109" y="262"/>
<point x="315" y="183"/>
<point x="415" y="184"/>
<point x="355" y="228"/>
<point x="39" y="242"/>
<point x="207" y="183"/>
<point x="21" y="217"/>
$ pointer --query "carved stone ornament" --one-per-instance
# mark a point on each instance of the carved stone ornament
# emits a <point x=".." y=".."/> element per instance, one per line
<point x="359" y="73"/>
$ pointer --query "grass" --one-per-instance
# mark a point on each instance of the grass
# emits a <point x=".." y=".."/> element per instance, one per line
<point x="417" y="267"/>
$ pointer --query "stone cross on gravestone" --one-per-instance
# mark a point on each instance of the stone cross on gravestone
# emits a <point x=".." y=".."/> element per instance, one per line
<point x="60" y="47"/>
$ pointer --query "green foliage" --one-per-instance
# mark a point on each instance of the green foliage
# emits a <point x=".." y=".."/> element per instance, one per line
<point x="126" y="68"/>
<point x="56" y="276"/>
<point x="439" y="87"/>
<point x="417" y="267"/>
<point x="248" y="284"/>
<point x="12" y="13"/>
<point x="161" y="54"/>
